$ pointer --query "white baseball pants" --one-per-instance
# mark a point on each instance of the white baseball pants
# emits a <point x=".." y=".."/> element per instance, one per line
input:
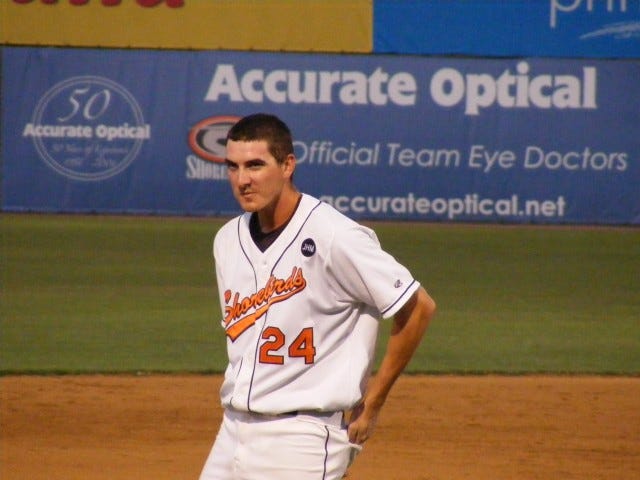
<point x="302" y="446"/>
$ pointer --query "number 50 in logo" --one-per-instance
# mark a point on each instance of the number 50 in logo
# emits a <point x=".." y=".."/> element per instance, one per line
<point x="88" y="128"/>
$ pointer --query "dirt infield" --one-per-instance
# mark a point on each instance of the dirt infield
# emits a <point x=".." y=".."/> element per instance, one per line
<point x="436" y="428"/>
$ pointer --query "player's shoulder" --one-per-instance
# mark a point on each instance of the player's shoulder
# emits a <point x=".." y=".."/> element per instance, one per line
<point x="335" y="223"/>
<point x="232" y="223"/>
<point x="229" y="230"/>
<point x="322" y="212"/>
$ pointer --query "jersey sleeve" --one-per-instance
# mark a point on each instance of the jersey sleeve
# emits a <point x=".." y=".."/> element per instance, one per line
<point x="366" y="273"/>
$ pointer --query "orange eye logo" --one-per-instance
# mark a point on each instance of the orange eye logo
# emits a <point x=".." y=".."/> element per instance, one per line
<point x="207" y="138"/>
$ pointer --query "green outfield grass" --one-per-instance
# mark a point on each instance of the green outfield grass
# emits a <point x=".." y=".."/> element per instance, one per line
<point x="129" y="294"/>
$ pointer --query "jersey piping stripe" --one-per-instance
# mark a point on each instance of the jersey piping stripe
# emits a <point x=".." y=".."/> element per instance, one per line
<point x="246" y="255"/>
<point x="394" y="303"/>
<point x="255" y="280"/>
<point x="326" y="453"/>
<point x="266" y="316"/>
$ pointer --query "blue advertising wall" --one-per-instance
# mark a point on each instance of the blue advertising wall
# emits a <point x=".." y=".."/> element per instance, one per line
<point x="524" y="140"/>
<point x="544" y="28"/>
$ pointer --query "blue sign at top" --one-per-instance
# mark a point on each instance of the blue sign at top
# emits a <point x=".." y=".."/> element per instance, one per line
<point x="526" y="140"/>
<point x="541" y="28"/>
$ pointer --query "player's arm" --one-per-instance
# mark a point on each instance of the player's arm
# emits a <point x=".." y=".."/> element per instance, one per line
<point x="409" y="326"/>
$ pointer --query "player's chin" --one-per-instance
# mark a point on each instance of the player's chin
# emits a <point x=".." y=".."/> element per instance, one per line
<point x="247" y="203"/>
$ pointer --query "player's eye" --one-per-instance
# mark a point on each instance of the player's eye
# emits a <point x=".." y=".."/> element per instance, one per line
<point x="255" y="164"/>
<point x="231" y="166"/>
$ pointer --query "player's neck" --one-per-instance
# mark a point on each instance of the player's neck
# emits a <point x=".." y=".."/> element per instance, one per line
<point x="280" y="212"/>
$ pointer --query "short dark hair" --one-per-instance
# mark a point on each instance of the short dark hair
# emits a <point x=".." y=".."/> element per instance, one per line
<point x="267" y="127"/>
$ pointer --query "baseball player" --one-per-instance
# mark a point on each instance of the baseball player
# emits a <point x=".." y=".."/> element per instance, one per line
<point x="302" y="290"/>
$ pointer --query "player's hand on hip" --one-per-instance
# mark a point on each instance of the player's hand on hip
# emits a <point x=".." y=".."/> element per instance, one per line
<point x="361" y="424"/>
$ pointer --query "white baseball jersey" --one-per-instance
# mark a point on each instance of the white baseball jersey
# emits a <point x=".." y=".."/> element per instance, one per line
<point x="301" y="318"/>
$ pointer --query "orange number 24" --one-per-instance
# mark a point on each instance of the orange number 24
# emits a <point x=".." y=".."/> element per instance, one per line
<point x="301" y="347"/>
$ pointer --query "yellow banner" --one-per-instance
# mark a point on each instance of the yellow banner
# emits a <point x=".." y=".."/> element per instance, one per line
<point x="272" y="25"/>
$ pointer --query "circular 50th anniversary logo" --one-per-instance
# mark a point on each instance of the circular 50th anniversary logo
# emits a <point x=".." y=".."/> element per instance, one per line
<point x="88" y="128"/>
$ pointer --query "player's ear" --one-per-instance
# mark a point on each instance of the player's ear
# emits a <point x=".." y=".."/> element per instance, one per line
<point x="289" y="165"/>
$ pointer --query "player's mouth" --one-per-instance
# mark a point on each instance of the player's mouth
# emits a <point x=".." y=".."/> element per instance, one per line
<point x="247" y="195"/>
<point x="248" y="201"/>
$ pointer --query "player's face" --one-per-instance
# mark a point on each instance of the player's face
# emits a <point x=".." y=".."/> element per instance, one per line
<point x="256" y="177"/>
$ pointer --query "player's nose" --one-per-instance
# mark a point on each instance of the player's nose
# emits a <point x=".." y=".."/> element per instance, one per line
<point x="243" y="177"/>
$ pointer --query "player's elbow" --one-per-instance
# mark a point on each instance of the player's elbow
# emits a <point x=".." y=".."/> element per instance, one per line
<point x="417" y="313"/>
<point x="430" y="305"/>
<point x="427" y="306"/>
